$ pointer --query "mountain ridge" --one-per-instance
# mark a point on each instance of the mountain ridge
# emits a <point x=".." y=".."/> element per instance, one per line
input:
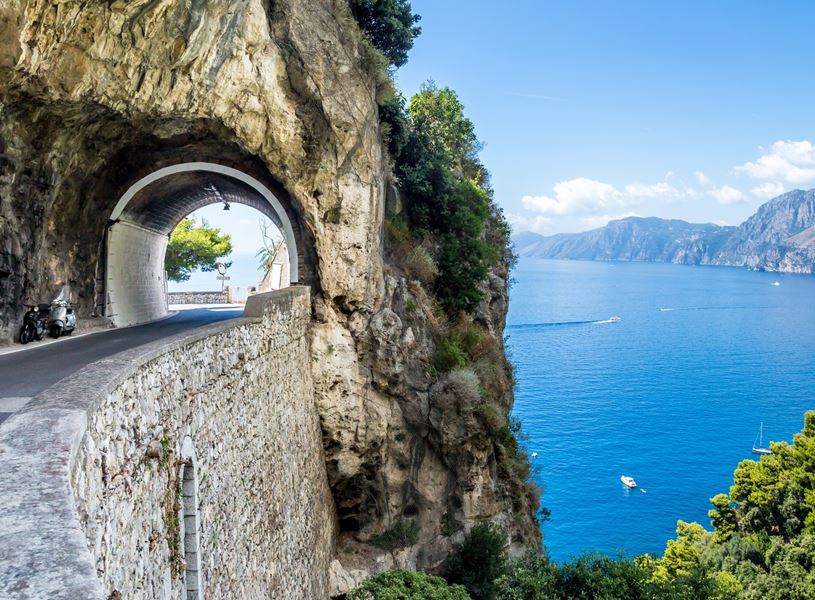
<point x="779" y="236"/>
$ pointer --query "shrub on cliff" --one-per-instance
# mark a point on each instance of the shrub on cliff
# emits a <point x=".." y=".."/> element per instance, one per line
<point x="448" y="198"/>
<point x="390" y="25"/>
<point x="479" y="561"/>
<point x="407" y="585"/>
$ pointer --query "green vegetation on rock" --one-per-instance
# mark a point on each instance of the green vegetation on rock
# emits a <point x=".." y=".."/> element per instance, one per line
<point x="194" y="246"/>
<point x="449" y="200"/>
<point x="390" y="26"/>
<point x="407" y="585"/>
<point x="479" y="561"/>
<point x="401" y="535"/>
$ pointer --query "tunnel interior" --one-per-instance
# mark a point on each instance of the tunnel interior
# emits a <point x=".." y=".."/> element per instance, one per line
<point x="136" y="238"/>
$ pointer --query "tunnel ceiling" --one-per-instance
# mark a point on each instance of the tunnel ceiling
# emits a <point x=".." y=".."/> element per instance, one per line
<point x="162" y="204"/>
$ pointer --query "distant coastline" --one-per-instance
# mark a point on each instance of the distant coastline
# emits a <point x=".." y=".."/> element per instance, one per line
<point x="779" y="237"/>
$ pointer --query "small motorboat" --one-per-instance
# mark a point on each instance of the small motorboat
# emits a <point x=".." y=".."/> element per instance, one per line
<point x="776" y="283"/>
<point x="628" y="481"/>
<point x="614" y="319"/>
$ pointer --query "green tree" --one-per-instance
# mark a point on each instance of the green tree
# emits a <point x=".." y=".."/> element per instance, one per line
<point x="722" y="517"/>
<point x="435" y="153"/>
<point x="194" y="246"/>
<point x="407" y="585"/>
<point x="479" y="561"/>
<point x="390" y="25"/>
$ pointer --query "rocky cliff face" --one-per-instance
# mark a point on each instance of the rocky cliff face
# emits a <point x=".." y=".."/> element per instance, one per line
<point x="779" y="237"/>
<point x="96" y="95"/>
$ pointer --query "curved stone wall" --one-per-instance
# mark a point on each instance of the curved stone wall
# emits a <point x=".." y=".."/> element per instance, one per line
<point x="93" y="502"/>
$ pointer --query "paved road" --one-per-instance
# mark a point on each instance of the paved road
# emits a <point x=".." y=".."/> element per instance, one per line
<point x="26" y="373"/>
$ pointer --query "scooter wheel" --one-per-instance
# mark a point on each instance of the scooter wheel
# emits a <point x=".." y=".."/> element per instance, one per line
<point x="56" y="332"/>
<point x="24" y="339"/>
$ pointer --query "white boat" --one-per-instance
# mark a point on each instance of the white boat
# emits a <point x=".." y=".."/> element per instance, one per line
<point x="614" y="319"/>
<point x="776" y="283"/>
<point x="628" y="481"/>
<point x="759" y="448"/>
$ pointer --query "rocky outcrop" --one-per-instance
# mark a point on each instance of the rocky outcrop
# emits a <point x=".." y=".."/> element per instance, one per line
<point x="94" y="96"/>
<point x="779" y="237"/>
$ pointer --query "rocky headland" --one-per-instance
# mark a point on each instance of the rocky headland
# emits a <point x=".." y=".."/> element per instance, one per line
<point x="780" y="236"/>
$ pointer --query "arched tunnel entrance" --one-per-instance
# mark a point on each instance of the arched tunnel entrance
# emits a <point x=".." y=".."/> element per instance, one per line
<point x="138" y="230"/>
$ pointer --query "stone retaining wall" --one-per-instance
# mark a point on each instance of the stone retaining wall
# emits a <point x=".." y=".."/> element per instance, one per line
<point x="90" y="471"/>
<point x="197" y="298"/>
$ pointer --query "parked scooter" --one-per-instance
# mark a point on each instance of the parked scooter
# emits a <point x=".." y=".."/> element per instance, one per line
<point x="35" y="323"/>
<point x="62" y="319"/>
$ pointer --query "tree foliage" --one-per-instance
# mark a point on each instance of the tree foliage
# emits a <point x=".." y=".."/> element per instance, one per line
<point x="390" y="25"/>
<point x="449" y="200"/>
<point x="194" y="246"/>
<point x="479" y="561"/>
<point x="407" y="585"/>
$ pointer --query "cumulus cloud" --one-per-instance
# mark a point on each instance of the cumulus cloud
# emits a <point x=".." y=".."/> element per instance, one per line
<point x="583" y="196"/>
<point x="793" y="162"/>
<point x="728" y="195"/>
<point x="537" y="223"/>
<point x="770" y="189"/>
<point x="702" y="178"/>
<point x="574" y="197"/>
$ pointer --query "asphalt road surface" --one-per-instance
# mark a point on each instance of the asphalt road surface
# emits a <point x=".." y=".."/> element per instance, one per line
<point x="26" y="373"/>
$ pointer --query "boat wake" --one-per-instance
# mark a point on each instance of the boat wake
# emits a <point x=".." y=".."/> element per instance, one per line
<point x="699" y="308"/>
<point x="563" y="324"/>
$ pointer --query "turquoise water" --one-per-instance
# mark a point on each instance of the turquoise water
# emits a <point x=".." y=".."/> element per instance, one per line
<point x="671" y="397"/>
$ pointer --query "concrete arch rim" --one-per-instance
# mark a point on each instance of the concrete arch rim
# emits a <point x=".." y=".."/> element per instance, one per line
<point x="258" y="186"/>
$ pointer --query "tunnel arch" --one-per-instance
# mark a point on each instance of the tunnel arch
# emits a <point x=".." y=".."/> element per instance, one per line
<point x="139" y="226"/>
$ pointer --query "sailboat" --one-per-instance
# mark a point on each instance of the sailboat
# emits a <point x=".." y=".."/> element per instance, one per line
<point x="760" y="449"/>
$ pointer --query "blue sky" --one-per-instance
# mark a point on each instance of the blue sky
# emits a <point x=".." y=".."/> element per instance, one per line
<point x="591" y="110"/>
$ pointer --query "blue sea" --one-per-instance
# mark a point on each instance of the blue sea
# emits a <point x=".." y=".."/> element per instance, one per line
<point x="673" y="394"/>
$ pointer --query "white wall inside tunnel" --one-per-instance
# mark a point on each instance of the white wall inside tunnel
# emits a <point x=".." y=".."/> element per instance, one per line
<point x="135" y="279"/>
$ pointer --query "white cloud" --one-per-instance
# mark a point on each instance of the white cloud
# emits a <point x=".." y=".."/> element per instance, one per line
<point x="702" y="178"/>
<point x="537" y="223"/>
<point x="728" y="195"/>
<point x="793" y="162"/>
<point x="574" y="197"/>
<point x="770" y="189"/>
<point x="583" y="196"/>
<point x="657" y="190"/>
<point x="594" y="222"/>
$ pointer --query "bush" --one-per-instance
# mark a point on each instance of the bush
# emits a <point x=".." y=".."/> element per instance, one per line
<point x="390" y="25"/>
<point x="449" y="354"/>
<point x="419" y="265"/>
<point x="459" y="388"/>
<point x="401" y="535"/>
<point x="491" y="416"/>
<point x="448" y="199"/>
<point x="479" y="561"/>
<point x="407" y="585"/>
